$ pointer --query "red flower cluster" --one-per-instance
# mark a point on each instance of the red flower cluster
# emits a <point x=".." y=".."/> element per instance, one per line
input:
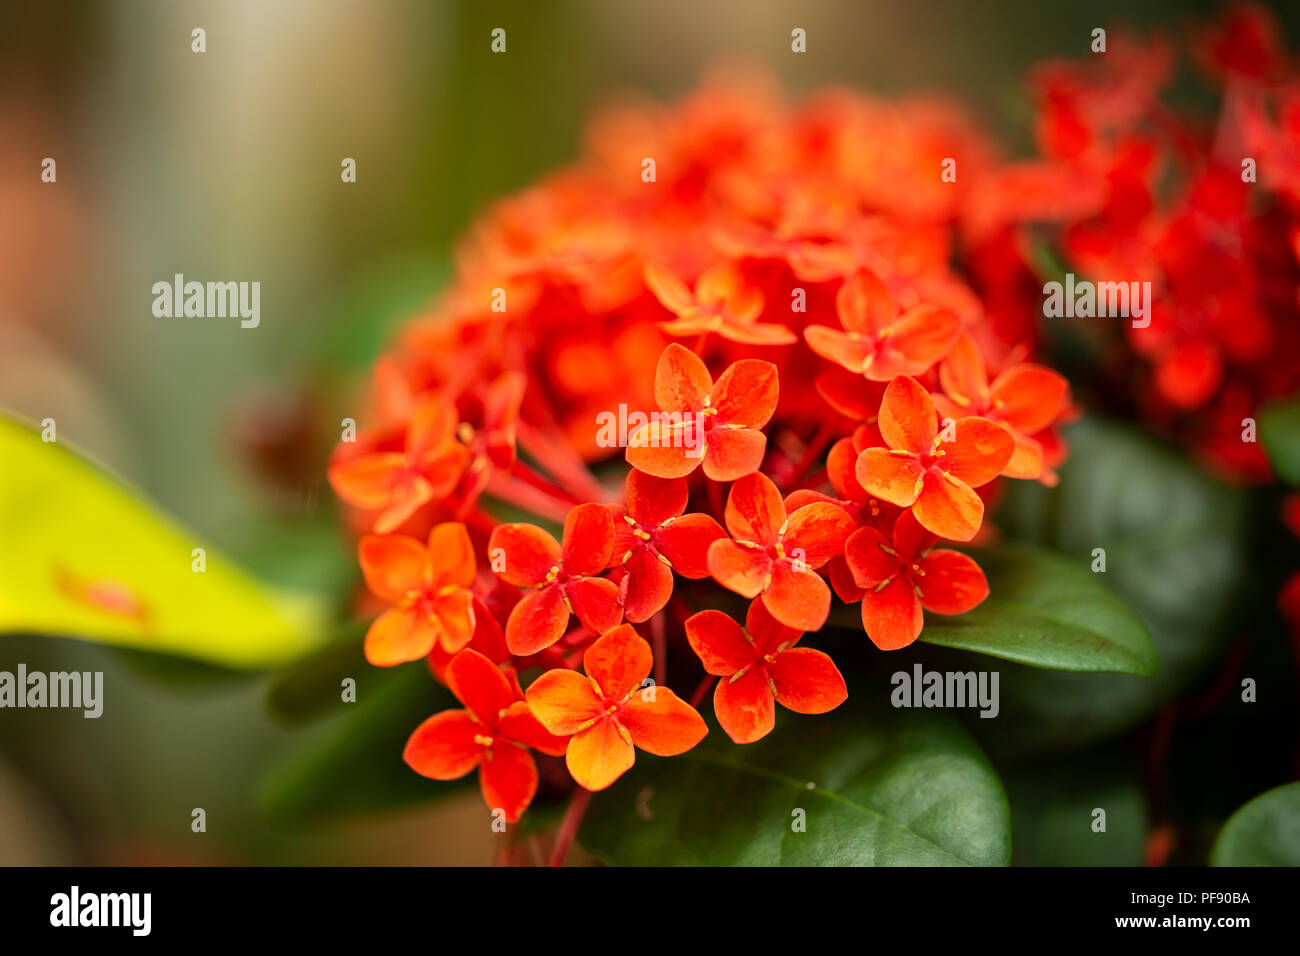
<point x="1207" y="211"/>
<point x="839" y="400"/>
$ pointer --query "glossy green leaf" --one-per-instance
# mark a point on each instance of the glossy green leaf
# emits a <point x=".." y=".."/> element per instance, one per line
<point x="1046" y="611"/>
<point x="876" y="787"/>
<point x="1264" y="832"/>
<point x="1279" y="430"/>
<point x="85" y="556"/>
<point x="1175" y="551"/>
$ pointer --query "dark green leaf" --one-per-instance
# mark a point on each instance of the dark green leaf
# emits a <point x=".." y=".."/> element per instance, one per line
<point x="1047" y="611"/>
<point x="1175" y="553"/>
<point x="1279" y="430"/>
<point x="1264" y="832"/>
<point x="879" y="787"/>
<point x="1054" y="804"/>
<point x="354" y="762"/>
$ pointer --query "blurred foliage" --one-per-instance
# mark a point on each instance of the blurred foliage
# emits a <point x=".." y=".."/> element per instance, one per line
<point x="1265" y="832"/>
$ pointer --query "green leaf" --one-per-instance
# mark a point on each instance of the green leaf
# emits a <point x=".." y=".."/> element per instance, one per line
<point x="1264" y="832"/>
<point x="1047" y="611"/>
<point x="1176" y="554"/>
<point x="1279" y="430"/>
<point x="352" y="763"/>
<point x="1053" y="811"/>
<point x="84" y="556"/>
<point x="888" y="788"/>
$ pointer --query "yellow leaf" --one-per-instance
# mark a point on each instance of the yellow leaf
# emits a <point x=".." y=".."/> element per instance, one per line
<point x="82" y="555"/>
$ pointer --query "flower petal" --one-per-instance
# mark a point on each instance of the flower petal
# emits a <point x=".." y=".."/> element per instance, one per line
<point x="443" y="747"/>
<point x="596" y="603"/>
<point x="662" y="723"/>
<point x="891" y="477"/>
<point x="393" y="565"/>
<point x="452" y="555"/>
<point x="755" y="511"/>
<point x="588" y="542"/>
<point x="658" y="450"/>
<point x="841" y="467"/>
<point x="846" y="350"/>
<point x="652" y="500"/>
<point x="480" y="685"/>
<point x="649" y="585"/>
<point x="455" y="616"/>
<point x="508" y="778"/>
<point x="907" y="417"/>
<point x="807" y="681"/>
<point x="798" y="599"/>
<point x="746" y="394"/>
<point x="892" y="616"/>
<point x="522" y="554"/>
<point x="1029" y="397"/>
<point x="599" y="755"/>
<point x="768" y="633"/>
<point x="1027" y="461"/>
<point x="682" y="381"/>
<point x="746" y="571"/>
<point x="745" y="708"/>
<point x="519" y="724"/>
<point x="819" y="531"/>
<point x="924" y="335"/>
<point x="537" y="621"/>
<point x="719" y="643"/>
<point x="979" y="451"/>
<point x="948" y="508"/>
<point x="962" y="374"/>
<point x="867" y="558"/>
<point x="732" y="453"/>
<point x="399" y="635"/>
<point x="619" y="661"/>
<point x="433" y="423"/>
<point x="685" y="543"/>
<point x="953" y="582"/>
<point x="562" y="701"/>
<point x="864" y="304"/>
<point x="367" y="481"/>
<point x="842" y="581"/>
<point x="671" y="291"/>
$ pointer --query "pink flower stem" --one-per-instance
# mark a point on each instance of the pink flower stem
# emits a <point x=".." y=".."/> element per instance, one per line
<point x="568" y="830"/>
<point x="811" y="453"/>
<point x="702" y="690"/>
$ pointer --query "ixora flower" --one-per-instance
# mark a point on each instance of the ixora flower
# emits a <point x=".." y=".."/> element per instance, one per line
<point x="723" y="302"/>
<point x="877" y="341"/>
<point x="761" y="667"/>
<point x="1025" y="398"/>
<point x="746" y="478"/>
<point x="714" y="425"/>
<point x="608" y="713"/>
<point x="905" y="573"/>
<point x="493" y="733"/>
<point x="653" y="537"/>
<point x="933" y="472"/>
<point x="397" y="483"/>
<point x="562" y="578"/>
<point x="428" y="588"/>
<point x="777" y="556"/>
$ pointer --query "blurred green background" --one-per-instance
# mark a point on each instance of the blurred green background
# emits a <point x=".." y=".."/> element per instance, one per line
<point x="225" y="166"/>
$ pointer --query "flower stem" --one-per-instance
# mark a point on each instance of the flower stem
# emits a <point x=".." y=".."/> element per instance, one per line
<point x="568" y="831"/>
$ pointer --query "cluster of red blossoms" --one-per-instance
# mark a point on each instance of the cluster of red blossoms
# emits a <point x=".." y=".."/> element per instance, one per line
<point x="826" y="313"/>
